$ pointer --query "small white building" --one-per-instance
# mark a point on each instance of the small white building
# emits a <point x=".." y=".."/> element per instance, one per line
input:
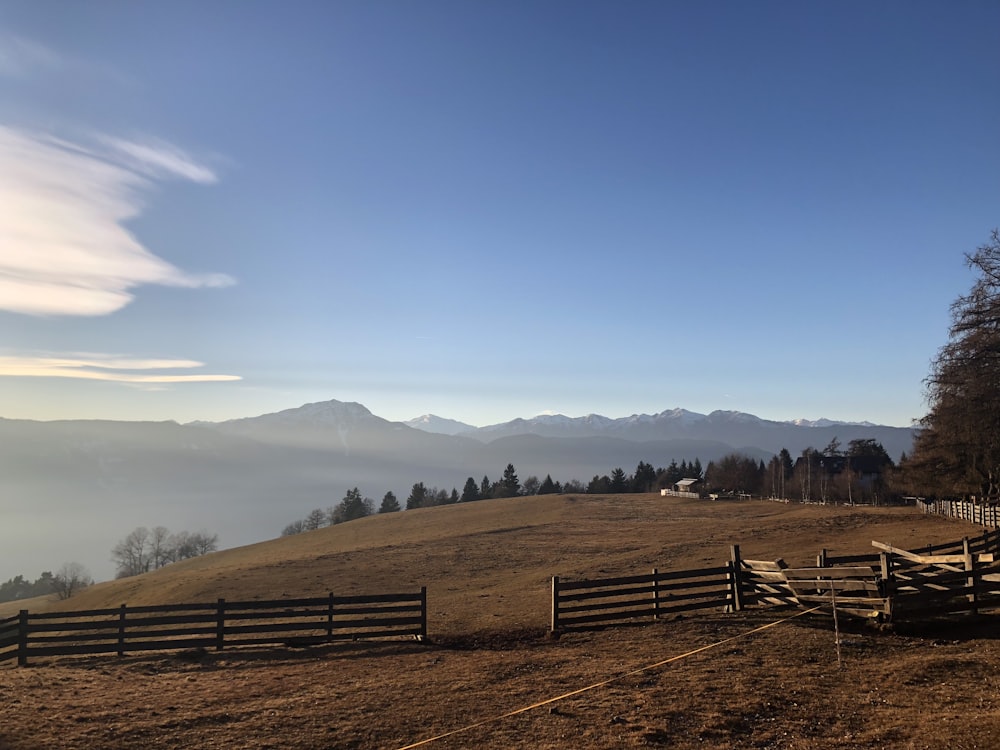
<point x="683" y="488"/>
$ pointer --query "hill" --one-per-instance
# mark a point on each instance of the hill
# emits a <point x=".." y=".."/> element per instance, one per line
<point x="487" y="564"/>
<point x="761" y="678"/>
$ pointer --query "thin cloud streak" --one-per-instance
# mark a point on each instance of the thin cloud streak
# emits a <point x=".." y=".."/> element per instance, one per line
<point x="160" y="159"/>
<point x="65" y="249"/>
<point x="105" y="367"/>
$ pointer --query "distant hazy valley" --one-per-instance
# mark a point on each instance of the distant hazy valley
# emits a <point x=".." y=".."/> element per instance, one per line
<point x="71" y="489"/>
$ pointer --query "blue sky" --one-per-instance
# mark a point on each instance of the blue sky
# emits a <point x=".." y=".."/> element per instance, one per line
<point x="488" y="210"/>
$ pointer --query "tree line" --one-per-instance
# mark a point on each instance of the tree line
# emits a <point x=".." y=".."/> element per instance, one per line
<point x="71" y="578"/>
<point x="861" y="473"/>
<point x="353" y="505"/>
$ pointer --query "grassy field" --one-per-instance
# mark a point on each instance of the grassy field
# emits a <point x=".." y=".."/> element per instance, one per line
<point x="487" y="568"/>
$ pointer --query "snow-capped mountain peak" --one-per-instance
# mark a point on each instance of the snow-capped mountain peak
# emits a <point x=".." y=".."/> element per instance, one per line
<point x="438" y="425"/>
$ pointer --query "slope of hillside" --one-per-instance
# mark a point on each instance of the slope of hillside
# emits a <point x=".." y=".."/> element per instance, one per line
<point x="760" y="678"/>
<point x="487" y="565"/>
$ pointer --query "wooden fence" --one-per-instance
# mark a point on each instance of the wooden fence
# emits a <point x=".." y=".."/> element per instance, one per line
<point x="983" y="515"/>
<point x="923" y="585"/>
<point x="988" y="541"/>
<point x="607" y="601"/>
<point x="889" y="584"/>
<point x="294" y="622"/>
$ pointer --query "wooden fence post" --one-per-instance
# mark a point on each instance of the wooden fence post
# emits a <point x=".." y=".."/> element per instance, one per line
<point x="423" y="612"/>
<point x="555" y="604"/>
<point x="888" y="587"/>
<point x="736" y="578"/>
<point x="821" y="559"/>
<point x="121" y="631"/>
<point x="329" y="619"/>
<point x="220" y="625"/>
<point x="970" y="582"/>
<point x="656" y="594"/>
<point x="22" y="638"/>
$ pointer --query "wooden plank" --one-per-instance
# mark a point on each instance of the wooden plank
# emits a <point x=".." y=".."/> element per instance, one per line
<point x="839" y="586"/>
<point x="705" y="583"/>
<point x="692" y="606"/>
<point x="853" y="602"/>
<point x="595" y="583"/>
<point x="606" y="617"/>
<point x="828" y="573"/>
<point x="870" y="558"/>
<point x="383" y="622"/>
<point x="192" y="619"/>
<point x="762" y="575"/>
<point x="647" y="578"/>
<point x="942" y="561"/>
<point x="666" y="601"/>
<point x="755" y="598"/>
<point x="110" y="648"/>
<point x="765" y="565"/>
<point x="321" y="601"/>
<point x="596" y="607"/>
<point x="605" y="594"/>
<point x="295" y="614"/>
<point x="72" y="627"/>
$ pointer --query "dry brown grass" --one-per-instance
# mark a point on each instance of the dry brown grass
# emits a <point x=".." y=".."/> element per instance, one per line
<point x="487" y="567"/>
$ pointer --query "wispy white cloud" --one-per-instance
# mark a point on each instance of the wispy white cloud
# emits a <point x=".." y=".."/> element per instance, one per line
<point x="158" y="159"/>
<point x="65" y="250"/>
<point x="107" y="367"/>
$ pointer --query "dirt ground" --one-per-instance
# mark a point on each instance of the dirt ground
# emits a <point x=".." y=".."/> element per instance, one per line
<point x="765" y="678"/>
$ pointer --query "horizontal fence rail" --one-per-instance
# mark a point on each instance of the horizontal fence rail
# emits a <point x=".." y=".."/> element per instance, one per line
<point x="9" y="638"/>
<point x="605" y="601"/>
<point x="292" y="622"/>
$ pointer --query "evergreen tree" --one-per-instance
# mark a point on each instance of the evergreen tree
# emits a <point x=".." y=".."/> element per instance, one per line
<point x="644" y="478"/>
<point x="599" y="485"/>
<point x="389" y="503"/>
<point x="470" y="492"/>
<point x="673" y="474"/>
<point x="352" y="507"/>
<point x="696" y="470"/>
<point x="618" y="482"/>
<point x="418" y="496"/>
<point x="547" y="487"/>
<point x="485" y="488"/>
<point x="510" y="485"/>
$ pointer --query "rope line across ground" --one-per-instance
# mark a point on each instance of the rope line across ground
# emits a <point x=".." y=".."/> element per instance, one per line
<point x="605" y="682"/>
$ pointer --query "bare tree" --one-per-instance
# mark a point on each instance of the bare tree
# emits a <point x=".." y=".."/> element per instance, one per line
<point x="131" y="554"/>
<point x="144" y="550"/>
<point x="70" y="579"/>
<point x="160" y="547"/>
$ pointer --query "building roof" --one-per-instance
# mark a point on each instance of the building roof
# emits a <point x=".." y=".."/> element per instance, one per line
<point x="687" y="482"/>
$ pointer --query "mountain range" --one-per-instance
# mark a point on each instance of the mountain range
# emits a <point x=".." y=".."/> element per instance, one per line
<point x="69" y="490"/>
